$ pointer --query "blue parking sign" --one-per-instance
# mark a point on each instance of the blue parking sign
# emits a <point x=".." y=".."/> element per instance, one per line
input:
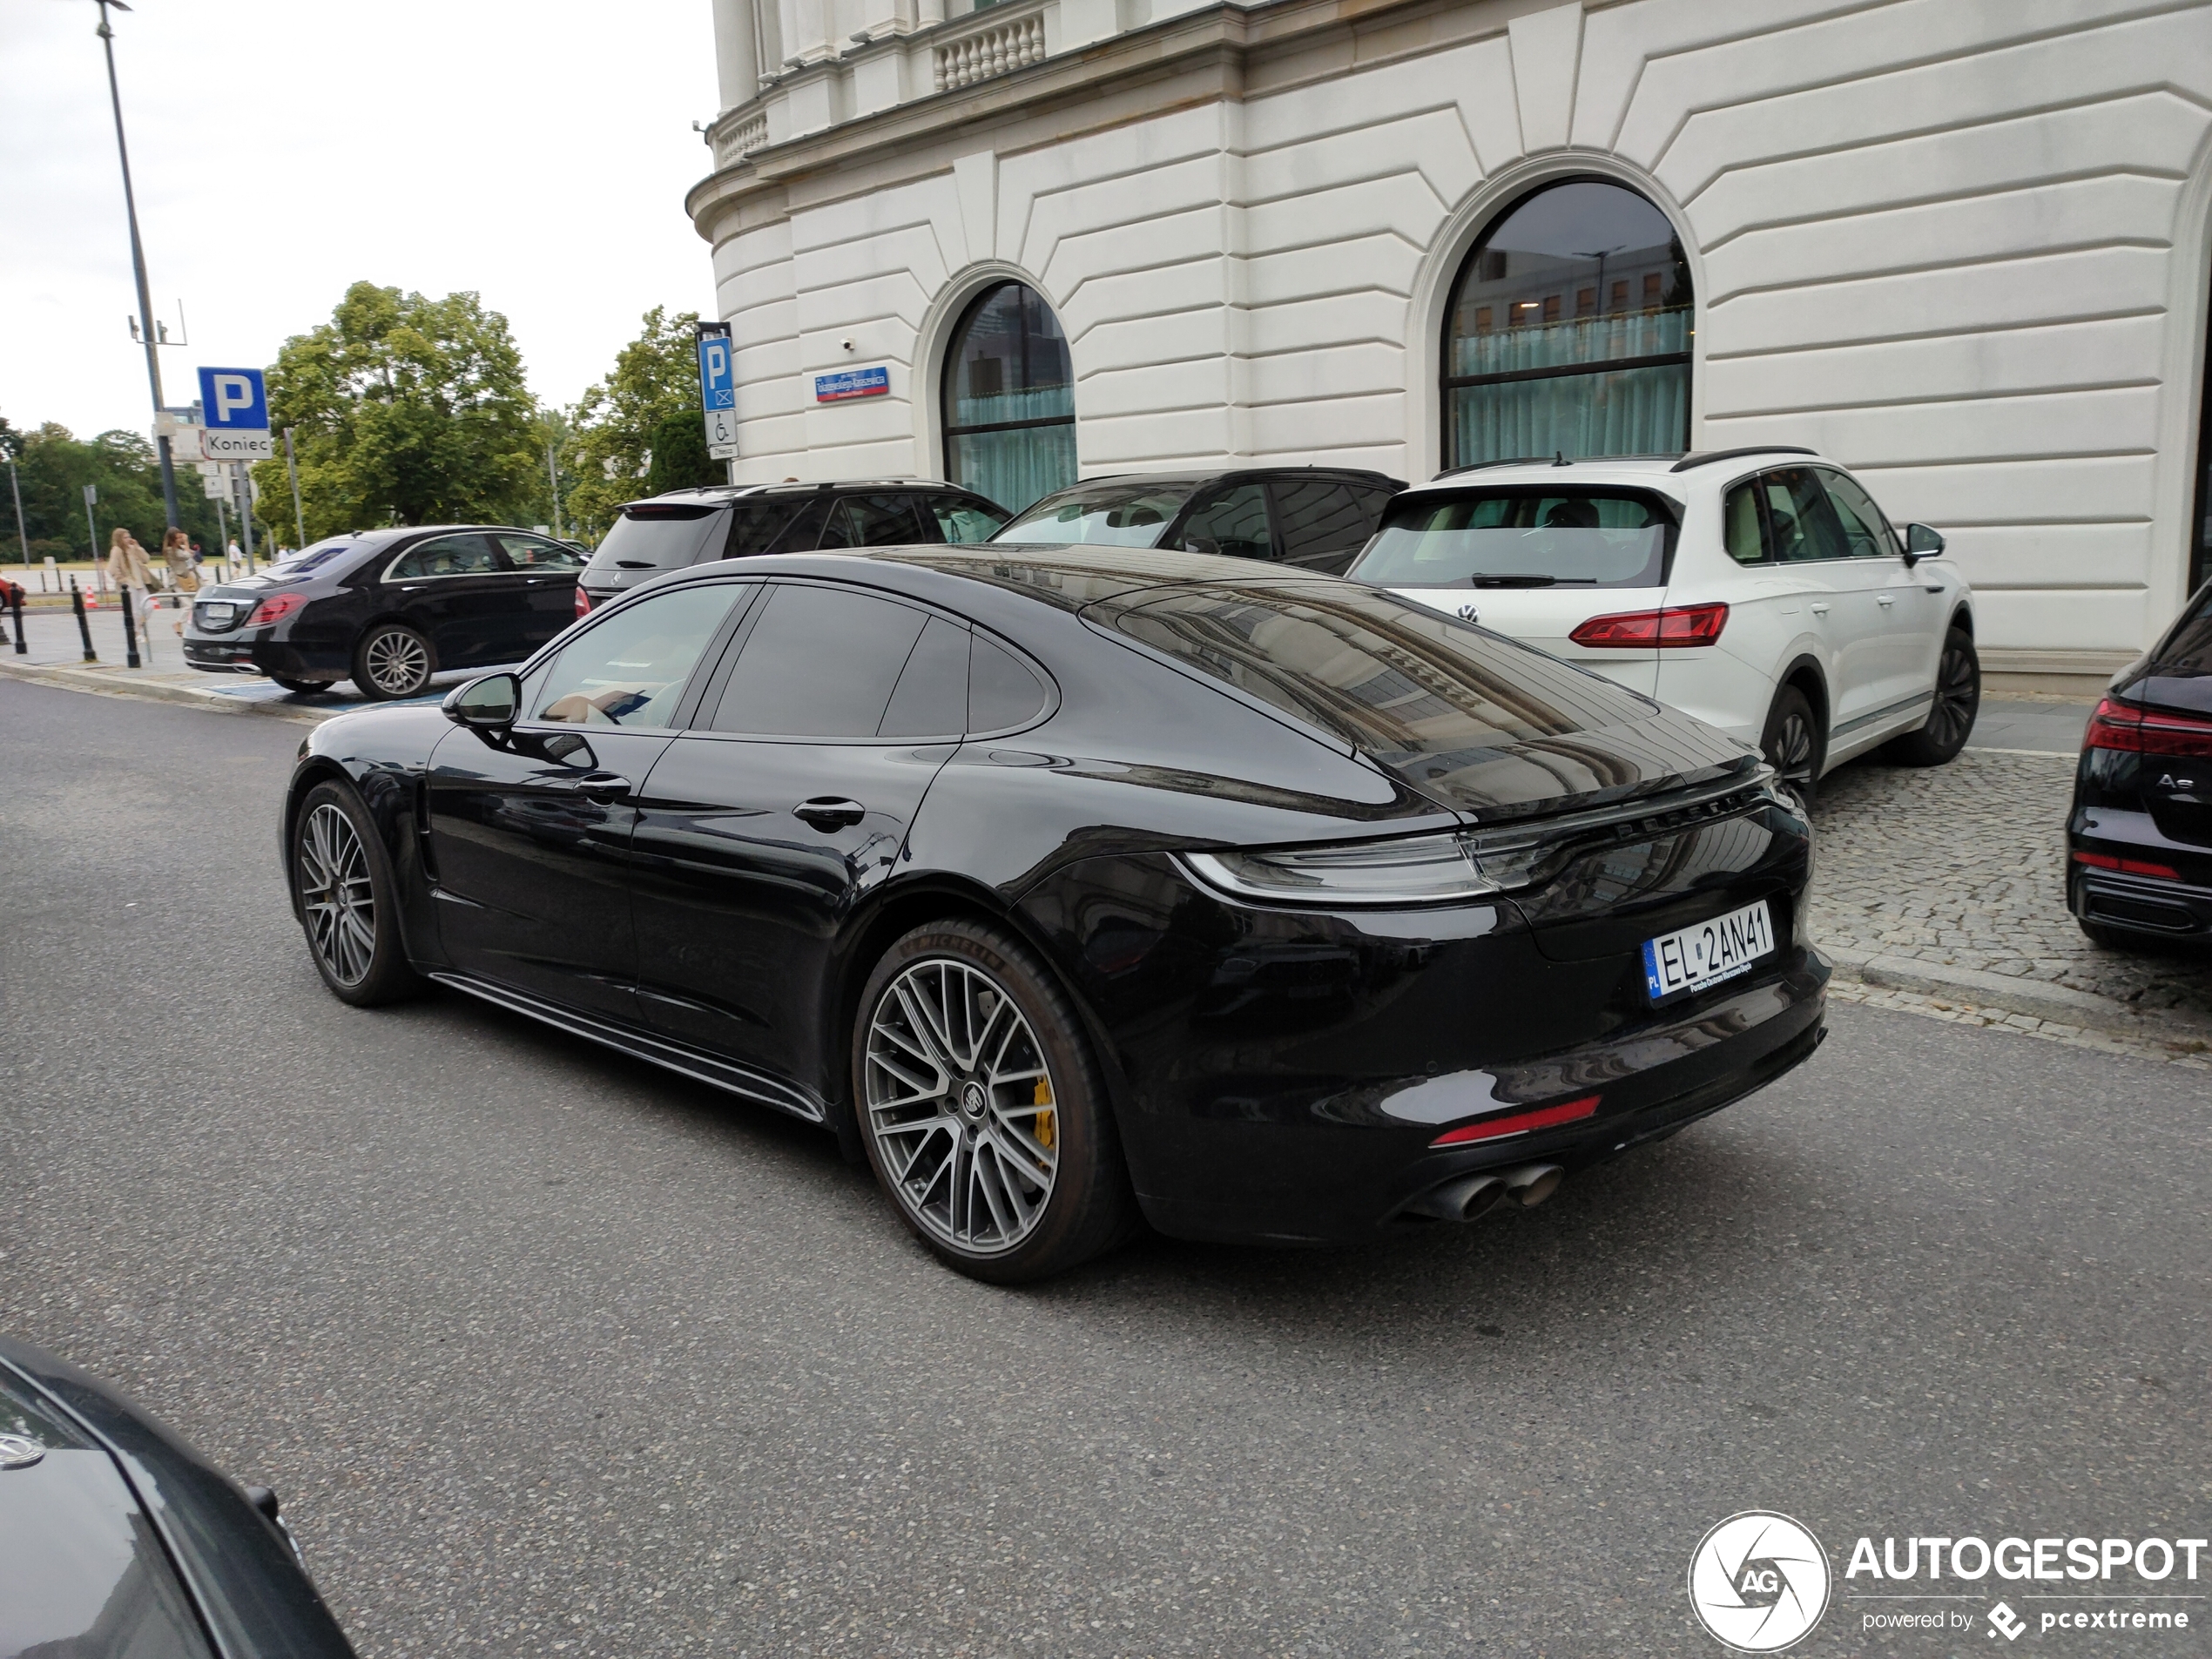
<point x="234" y="398"/>
<point x="717" y="386"/>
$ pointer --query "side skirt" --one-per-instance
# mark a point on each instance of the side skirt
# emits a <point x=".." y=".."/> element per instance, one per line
<point x="720" y="1073"/>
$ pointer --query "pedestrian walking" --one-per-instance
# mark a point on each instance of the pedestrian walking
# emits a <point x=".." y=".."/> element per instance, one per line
<point x="177" y="554"/>
<point x="128" y="568"/>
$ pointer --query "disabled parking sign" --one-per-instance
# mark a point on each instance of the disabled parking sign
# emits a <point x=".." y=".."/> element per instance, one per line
<point x="718" y="391"/>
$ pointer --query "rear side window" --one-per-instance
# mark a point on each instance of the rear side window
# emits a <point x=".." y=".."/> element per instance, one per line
<point x="1321" y="517"/>
<point x="1525" y="537"/>
<point x="819" y="662"/>
<point x="962" y="518"/>
<point x="931" y="699"/>
<point x="1741" y="532"/>
<point x="443" y="555"/>
<point x="1232" y="523"/>
<point x="754" y="526"/>
<point x="804" y="532"/>
<point x="1397" y="680"/>
<point x="657" y="536"/>
<point x="874" y="521"/>
<point x="1002" y="691"/>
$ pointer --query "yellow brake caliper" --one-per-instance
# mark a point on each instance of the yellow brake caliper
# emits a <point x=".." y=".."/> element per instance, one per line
<point x="1042" y="1125"/>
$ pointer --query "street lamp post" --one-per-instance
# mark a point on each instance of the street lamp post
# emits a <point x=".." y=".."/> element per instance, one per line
<point x="16" y="490"/>
<point x="292" y="468"/>
<point x="553" y="476"/>
<point x="138" y="266"/>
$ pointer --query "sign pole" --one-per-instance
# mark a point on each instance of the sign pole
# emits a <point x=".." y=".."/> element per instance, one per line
<point x="223" y="537"/>
<point x="298" y="518"/>
<point x="92" y="534"/>
<point x="138" y="266"/>
<point x="16" y="490"/>
<point x="244" y="501"/>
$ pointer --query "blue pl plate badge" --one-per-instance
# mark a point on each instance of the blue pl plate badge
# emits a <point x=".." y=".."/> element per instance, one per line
<point x="852" y="383"/>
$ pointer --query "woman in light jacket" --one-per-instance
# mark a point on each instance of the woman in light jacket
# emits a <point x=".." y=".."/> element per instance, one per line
<point x="128" y="567"/>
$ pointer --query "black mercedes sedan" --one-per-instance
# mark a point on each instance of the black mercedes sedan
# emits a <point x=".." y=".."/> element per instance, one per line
<point x="117" y="1538"/>
<point x="387" y="609"/>
<point x="1316" y="518"/>
<point x="1070" y="888"/>
<point x="2139" y="838"/>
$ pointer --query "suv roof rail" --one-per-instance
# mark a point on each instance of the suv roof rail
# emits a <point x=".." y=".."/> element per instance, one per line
<point x="1483" y="466"/>
<point x="1706" y="457"/>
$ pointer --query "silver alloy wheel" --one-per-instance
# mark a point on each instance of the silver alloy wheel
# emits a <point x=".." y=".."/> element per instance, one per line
<point x="397" y="661"/>
<point x="962" y="1106"/>
<point x="335" y="895"/>
<point x="1793" y="756"/>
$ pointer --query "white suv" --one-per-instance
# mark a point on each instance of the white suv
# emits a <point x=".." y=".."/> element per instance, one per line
<point x="1760" y="590"/>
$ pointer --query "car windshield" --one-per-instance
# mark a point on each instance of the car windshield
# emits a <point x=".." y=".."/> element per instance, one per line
<point x="655" y="536"/>
<point x="1522" y="537"/>
<point x="1105" y="515"/>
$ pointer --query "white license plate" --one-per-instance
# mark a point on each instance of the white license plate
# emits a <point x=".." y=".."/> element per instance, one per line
<point x="1709" y="953"/>
<point x="218" y="613"/>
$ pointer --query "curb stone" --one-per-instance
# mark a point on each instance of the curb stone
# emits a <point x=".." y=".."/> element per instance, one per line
<point x="114" y="682"/>
<point x="1997" y="992"/>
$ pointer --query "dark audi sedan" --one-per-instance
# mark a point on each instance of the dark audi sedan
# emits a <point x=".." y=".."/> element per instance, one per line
<point x="119" y="1541"/>
<point x="2139" y="839"/>
<point x="387" y="609"/>
<point x="1316" y="518"/>
<point x="1073" y="888"/>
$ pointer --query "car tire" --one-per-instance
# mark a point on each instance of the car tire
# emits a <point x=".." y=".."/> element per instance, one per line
<point x="348" y="900"/>
<point x="998" y="1151"/>
<point x="1957" y="699"/>
<point x="304" y="688"/>
<point x="1791" y="742"/>
<point x="392" y="661"/>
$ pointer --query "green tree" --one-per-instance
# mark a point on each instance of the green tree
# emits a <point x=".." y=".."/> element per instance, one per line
<point x="655" y="380"/>
<point x="53" y="466"/>
<point x="406" y="410"/>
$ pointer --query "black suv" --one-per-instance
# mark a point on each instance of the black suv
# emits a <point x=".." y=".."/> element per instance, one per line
<point x="741" y="521"/>
<point x="1318" y="517"/>
<point x="2139" y="839"/>
<point x="387" y="609"/>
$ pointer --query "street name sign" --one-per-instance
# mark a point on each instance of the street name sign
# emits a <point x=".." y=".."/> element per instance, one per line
<point x="718" y="391"/>
<point x="237" y="405"/>
<point x="853" y="382"/>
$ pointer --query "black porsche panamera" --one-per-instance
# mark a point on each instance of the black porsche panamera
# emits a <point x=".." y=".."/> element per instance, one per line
<point x="1073" y="887"/>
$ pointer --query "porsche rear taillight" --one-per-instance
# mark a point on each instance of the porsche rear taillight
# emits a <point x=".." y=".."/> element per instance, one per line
<point x="2133" y="729"/>
<point x="1664" y="629"/>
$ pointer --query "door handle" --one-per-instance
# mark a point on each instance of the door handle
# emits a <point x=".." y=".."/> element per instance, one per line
<point x="829" y="813"/>
<point x="601" y="786"/>
<point x="1885" y="600"/>
<point x="1820" y="610"/>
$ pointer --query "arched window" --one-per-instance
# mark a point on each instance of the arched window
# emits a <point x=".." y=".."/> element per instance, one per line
<point x="1569" y="331"/>
<point x="1010" y="399"/>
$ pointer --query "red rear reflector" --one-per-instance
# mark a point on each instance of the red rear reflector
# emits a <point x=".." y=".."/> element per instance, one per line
<point x="1671" y="625"/>
<point x="582" y="600"/>
<point x="1493" y="1128"/>
<point x="2147" y="731"/>
<point x="2127" y="866"/>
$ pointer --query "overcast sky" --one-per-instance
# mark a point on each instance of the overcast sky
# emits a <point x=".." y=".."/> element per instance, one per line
<point x="535" y="150"/>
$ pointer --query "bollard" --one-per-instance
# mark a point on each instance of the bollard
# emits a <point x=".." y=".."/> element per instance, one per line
<point x="129" y="633"/>
<point x="83" y="628"/>
<point x="15" y="603"/>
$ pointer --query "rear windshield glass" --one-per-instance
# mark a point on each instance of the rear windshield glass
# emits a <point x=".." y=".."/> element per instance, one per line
<point x="1397" y="680"/>
<point x="1105" y="515"/>
<point x="2192" y="646"/>
<point x="1520" y="539"/>
<point x="312" y="558"/>
<point x="652" y="536"/>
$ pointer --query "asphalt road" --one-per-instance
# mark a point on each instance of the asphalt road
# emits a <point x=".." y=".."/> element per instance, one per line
<point x="548" y="1353"/>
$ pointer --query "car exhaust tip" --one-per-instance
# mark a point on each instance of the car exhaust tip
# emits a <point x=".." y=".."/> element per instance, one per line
<point x="1531" y="1183"/>
<point x="1460" y="1200"/>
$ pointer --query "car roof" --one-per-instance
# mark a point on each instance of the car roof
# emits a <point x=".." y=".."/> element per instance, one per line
<point x="1215" y="475"/>
<point x="717" y="494"/>
<point x="1661" y="469"/>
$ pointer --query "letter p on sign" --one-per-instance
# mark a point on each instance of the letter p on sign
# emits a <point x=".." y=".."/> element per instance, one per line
<point x="234" y="400"/>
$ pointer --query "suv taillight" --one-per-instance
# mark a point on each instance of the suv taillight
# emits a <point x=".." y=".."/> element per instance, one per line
<point x="1669" y="626"/>
<point x="2147" y="731"/>
<point x="582" y="600"/>
<point x="275" y="608"/>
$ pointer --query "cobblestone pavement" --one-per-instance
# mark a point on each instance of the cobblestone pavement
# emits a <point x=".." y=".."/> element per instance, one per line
<point x="1961" y="867"/>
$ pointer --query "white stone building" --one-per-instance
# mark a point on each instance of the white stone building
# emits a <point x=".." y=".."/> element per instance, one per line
<point x="1960" y="244"/>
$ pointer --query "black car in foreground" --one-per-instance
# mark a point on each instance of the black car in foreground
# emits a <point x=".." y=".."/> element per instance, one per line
<point x="1316" y="518"/>
<point x="118" y="1540"/>
<point x="2139" y="838"/>
<point x="687" y="527"/>
<point x="1074" y="886"/>
<point x="387" y="609"/>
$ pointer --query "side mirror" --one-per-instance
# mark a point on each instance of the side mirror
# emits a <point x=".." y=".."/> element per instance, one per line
<point x="1921" y="542"/>
<point x="491" y="704"/>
